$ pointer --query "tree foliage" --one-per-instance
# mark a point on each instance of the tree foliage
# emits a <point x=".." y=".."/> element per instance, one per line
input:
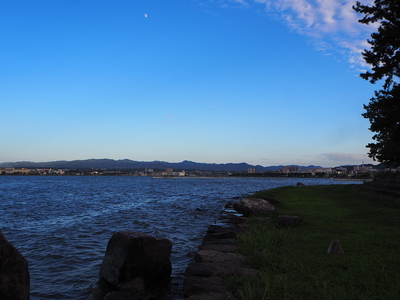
<point x="383" y="111"/>
<point x="384" y="56"/>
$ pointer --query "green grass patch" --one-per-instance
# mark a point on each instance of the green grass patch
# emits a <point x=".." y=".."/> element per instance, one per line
<point x="294" y="262"/>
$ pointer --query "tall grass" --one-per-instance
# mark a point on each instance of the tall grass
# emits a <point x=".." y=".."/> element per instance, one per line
<point x="294" y="262"/>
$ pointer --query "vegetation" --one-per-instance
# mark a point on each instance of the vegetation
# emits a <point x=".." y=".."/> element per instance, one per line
<point x="294" y="262"/>
<point x="383" y="111"/>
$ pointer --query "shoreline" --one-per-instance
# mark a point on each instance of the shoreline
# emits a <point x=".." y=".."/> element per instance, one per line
<point x="217" y="259"/>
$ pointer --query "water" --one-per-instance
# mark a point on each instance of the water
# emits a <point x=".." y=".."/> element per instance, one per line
<point x="62" y="225"/>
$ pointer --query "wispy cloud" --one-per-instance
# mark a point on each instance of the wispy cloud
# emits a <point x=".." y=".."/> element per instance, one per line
<point x="331" y="24"/>
<point x="345" y="157"/>
<point x="239" y="1"/>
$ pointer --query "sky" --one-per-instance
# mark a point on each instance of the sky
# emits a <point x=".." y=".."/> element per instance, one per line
<point x="267" y="82"/>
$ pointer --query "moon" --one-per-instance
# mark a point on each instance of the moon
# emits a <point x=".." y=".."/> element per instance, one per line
<point x="145" y="15"/>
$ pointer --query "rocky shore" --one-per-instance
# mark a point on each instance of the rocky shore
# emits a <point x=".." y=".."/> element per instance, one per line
<point x="137" y="266"/>
<point x="216" y="259"/>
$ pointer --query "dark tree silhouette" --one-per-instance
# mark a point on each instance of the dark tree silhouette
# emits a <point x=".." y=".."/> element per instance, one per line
<point x="383" y="111"/>
<point x="384" y="56"/>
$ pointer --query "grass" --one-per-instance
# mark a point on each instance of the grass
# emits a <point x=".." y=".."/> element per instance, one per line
<point x="294" y="262"/>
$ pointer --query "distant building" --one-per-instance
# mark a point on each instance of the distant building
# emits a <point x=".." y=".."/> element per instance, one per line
<point x="341" y="171"/>
<point x="251" y="170"/>
<point x="21" y="171"/>
<point x="313" y="171"/>
<point x="291" y="169"/>
<point x="170" y="171"/>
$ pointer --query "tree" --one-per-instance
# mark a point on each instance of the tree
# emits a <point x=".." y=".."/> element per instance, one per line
<point x="384" y="56"/>
<point x="383" y="111"/>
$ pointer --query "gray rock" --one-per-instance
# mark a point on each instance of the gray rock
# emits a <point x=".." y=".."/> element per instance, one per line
<point x="335" y="247"/>
<point x="300" y="184"/>
<point x="14" y="273"/>
<point x="212" y="256"/>
<point x="130" y="255"/>
<point x="254" y="207"/>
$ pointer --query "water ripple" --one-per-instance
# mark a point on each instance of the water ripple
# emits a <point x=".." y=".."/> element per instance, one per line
<point x="62" y="225"/>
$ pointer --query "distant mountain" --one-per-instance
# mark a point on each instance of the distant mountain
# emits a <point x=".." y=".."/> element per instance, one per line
<point x="132" y="164"/>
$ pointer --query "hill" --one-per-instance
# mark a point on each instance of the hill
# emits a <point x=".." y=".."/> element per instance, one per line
<point x="125" y="164"/>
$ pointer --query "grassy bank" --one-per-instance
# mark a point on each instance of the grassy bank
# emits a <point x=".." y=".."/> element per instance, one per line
<point x="294" y="262"/>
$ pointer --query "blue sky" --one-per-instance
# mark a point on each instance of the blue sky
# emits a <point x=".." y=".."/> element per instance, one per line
<point x="257" y="81"/>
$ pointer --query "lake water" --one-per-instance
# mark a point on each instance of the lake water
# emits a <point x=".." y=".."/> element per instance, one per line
<point x="62" y="224"/>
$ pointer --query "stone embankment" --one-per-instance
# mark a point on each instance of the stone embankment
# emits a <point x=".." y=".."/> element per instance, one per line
<point x="217" y="259"/>
<point x="383" y="187"/>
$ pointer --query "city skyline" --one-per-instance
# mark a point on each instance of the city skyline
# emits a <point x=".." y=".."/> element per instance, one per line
<point x="261" y="82"/>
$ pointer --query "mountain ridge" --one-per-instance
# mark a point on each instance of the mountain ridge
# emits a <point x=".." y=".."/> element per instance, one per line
<point x="132" y="164"/>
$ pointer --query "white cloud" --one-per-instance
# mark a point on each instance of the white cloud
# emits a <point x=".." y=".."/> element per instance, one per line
<point x="331" y="24"/>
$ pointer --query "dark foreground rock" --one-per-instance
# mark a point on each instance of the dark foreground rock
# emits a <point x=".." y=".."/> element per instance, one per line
<point x="254" y="207"/>
<point x="136" y="266"/>
<point x="335" y="247"/>
<point x="216" y="259"/>
<point x="14" y="273"/>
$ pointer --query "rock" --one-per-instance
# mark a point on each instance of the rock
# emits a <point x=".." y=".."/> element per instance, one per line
<point x="218" y="233"/>
<point x="218" y="241"/>
<point x="209" y="296"/>
<point x="203" y="285"/>
<point x="135" y="284"/>
<point x="285" y="221"/>
<point x="219" y="269"/>
<point x="14" y="273"/>
<point x="226" y="248"/>
<point x="212" y="256"/>
<point x="254" y="207"/>
<point x="116" y="295"/>
<point x="271" y="200"/>
<point x="335" y="247"/>
<point x="232" y="219"/>
<point x="133" y="255"/>
<point x="300" y="184"/>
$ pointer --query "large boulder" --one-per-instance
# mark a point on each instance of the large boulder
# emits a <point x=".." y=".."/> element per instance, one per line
<point x="14" y="273"/>
<point x="132" y="255"/>
<point x="254" y="207"/>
